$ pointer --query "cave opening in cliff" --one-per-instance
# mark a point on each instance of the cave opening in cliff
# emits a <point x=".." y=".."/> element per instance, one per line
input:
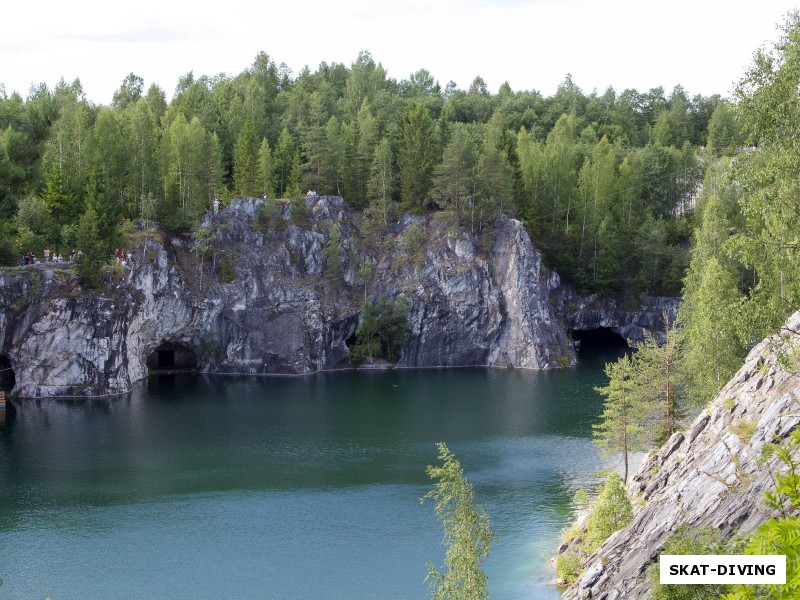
<point x="172" y="356"/>
<point x="599" y="340"/>
<point x="8" y="378"/>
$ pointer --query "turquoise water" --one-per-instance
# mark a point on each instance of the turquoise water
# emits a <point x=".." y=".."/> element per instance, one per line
<point x="301" y="488"/>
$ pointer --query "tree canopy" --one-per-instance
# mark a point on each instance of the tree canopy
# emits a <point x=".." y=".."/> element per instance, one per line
<point x="594" y="176"/>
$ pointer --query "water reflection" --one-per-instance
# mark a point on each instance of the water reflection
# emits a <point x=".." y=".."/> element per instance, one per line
<point x="288" y="487"/>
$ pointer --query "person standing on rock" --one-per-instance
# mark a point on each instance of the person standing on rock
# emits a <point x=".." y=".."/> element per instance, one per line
<point x="46" y="254"/>
<point x="216" y="205"/>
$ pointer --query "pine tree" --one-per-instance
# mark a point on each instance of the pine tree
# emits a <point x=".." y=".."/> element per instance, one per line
<point x="106" y="218"/>
<point x="60" y="202"/>
<point x="265" y="181"/>
<point x="495" y="177"/>
<point x="92" y="248"/>
<point x="416" y="154"/>
<point x="313" y="143"/>
<point x="454" y="178"/>
<point x="657" y="376"/>
<point x="245" y="161"/>
<point x="382" y="183"/>
<point x="622" y="427"/>
<point x="283" y="161"/>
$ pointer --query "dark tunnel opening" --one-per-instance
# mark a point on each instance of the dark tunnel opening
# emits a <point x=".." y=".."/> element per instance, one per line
<point x="171" y="356"/>
<point x="599" y="341"/>
<point x="8" y="378"/>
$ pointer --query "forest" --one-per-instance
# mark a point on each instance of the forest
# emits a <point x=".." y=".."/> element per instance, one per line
<point x="603" y="182"/>
<point x="742" y="283"/>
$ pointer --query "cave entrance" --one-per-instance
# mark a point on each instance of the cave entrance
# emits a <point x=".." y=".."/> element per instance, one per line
<point x="171" y="356"/>
<point x="599" y="341"/>
<point x="8" y="378"/>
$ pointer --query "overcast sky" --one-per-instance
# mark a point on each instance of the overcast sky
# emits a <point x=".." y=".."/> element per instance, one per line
<point x="703" y="45"/>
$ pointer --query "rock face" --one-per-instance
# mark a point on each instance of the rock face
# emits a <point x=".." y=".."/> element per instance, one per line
<point x="709" y="475"/>
<point x="629" y="318"/>
<point x="284" y="312"/>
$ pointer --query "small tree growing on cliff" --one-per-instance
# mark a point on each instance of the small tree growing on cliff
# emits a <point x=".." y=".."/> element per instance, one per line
<point x="203" y="243"/>
<point x="333" y="262"/>
<point x="611" y="512"/>
<point x="467" y="533"/>
<point x="621" y="428"/>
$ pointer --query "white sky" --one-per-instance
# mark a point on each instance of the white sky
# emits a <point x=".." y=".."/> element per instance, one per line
<point x="702" y="44"/>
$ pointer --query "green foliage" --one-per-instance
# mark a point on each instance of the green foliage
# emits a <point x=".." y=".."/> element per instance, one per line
<point x="202" y="245"/>
<point x="416" y="156"/>
<point x="412" y="244"/>
<point x="34" y="217"/>
<point x="658" y="379"/>
<point x="382" y="184"/>
<point x="611" y="512"/>
<point x="332" y="270"/>
<point x="622" y="427"/>
<point x="227" y="273"/>
<point x="454" y="178"/>
<point x="767" y="243"/>
<point x="382" y="330"/>
<point x="709" y="313"/>
<point x="93" y="247"/>
<point x="781" y="534"/>
<point x="687" y="541"/>
<point x="744" y="429"/>
<point x="724" y="134"/>
<point x="468" y="535"/>
<point x="265" y="172"/>
<point x="269" y="216"/>
<point x="246" y="163"/>
<point x="595" y="176"/>
<point x="569" y="567"/>
<point x="298" y="212"/>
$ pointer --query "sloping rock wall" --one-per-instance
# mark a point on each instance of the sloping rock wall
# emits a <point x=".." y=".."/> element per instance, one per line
<point x="710" y="475"/>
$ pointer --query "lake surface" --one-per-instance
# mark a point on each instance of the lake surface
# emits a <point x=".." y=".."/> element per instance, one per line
<point x="289" y="488"/>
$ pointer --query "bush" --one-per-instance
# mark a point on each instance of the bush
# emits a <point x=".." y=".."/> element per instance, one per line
<point x="384" y="329"/>
<point x="612" y="512"/>
<point x="569" y="567"/>
<point x="413" y="244"/>
<point x="687" y="541"/>
<point x="298" y="212"/>
<point x="226" y="271"/>
<point x="268" y="217"/>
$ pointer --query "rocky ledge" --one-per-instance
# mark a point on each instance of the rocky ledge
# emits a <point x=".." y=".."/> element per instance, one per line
<point x="482" y="300"/>
<point x="473" y="302"/>
<point x="711" y="475"/>
<point x="630" y="318"/>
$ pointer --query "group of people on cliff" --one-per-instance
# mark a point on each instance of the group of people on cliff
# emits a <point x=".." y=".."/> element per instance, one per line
<point x="30" y="257"/>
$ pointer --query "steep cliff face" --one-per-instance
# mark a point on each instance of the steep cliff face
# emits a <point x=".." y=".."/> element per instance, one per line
<point x="710" y="475"/>
<point x="282" y="313"/>
<point x="630" y="318"/>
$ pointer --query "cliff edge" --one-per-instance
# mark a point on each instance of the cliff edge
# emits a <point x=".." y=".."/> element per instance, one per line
<point x="474" y="302"/>
<point x="712" y="474"/>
